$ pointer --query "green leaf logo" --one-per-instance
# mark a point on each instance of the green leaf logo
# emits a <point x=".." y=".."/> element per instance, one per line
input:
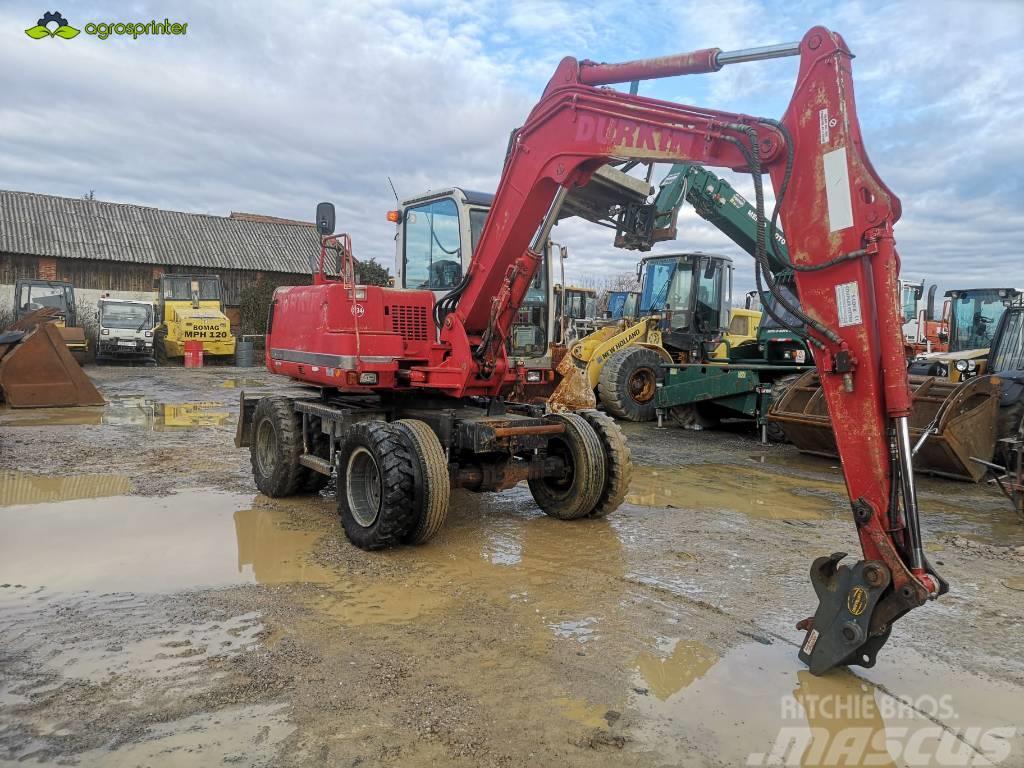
<point x="67" y="32"/>
<point x="37" y="32"/>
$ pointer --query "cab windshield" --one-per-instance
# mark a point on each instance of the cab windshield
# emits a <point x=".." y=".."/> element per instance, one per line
<point x="1009" y="354"/>
<point x="973" y="320"/>
<point x="911" y="295"/>
<point x="135" y="317"/>
<point x="433" y="256"/>
<point x="789" y="320"/>
<point x="668" y="285"/>
<point x="44" y="295"/>
<point x="180" y="288"/>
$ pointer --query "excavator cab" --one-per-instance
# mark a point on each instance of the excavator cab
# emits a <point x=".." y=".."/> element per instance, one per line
<point x="437" y="234"/>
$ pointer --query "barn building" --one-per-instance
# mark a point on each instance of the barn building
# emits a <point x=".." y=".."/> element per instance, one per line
<point x="122" y="249"/>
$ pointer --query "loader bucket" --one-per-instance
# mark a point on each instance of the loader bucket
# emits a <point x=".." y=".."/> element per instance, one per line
<point x="573" y="392"/>
<point x="964" y="415"/>
<point x="38" y="371"/>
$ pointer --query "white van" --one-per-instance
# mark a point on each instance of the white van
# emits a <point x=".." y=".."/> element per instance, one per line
<point x="125" y="330"/>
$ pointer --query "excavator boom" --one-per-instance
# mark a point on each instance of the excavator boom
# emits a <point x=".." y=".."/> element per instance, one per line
<point x="838" y="216"/>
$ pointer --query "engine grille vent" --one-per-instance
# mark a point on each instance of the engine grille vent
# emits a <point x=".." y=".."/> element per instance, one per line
<point x="409" y="322"/>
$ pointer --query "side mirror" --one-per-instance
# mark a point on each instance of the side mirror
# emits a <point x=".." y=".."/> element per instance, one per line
<point x="711" y="269"/>
<point x="325" y="219"/>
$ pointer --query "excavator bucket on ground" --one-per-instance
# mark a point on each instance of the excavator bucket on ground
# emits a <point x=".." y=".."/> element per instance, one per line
<point x="38" y="371"/>
<point x="961" y="417"/>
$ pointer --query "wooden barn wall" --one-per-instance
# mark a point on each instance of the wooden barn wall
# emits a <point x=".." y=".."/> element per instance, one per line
<point x="14" y="267"/>
<point x="106" y="275"/>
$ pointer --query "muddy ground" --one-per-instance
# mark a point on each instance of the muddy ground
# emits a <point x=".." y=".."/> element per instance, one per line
<point x="155" y="610"/>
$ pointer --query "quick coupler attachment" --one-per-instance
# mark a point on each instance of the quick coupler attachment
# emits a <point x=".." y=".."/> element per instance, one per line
<point x="839" y="632"/>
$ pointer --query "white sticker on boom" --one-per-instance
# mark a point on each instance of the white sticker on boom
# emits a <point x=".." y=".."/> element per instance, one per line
<point x="823" y="124"/>
<point x="837" y="190"/>
<point x="848" y="304"/>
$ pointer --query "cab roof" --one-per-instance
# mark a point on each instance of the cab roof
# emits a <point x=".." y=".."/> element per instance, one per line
<point x="471" y="197"/>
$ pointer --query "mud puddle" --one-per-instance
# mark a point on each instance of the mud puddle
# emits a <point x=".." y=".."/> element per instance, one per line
<point x="757" y="705"/>
<point x="988" y="524"/>
<point x="27" y="488"/>
<point x="124" y="411"/>
<point x="754" y="492"/>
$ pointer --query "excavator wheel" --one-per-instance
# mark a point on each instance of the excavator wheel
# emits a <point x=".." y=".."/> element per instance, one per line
<point x="377" y="485"/>
<point x="618" y="464"/>
<point x="432" y="483"/>
<point x="579" y="494"/>
<point x="275" y="447"/>
<point x="693" y="416"/>
<point x="628" y="382"/>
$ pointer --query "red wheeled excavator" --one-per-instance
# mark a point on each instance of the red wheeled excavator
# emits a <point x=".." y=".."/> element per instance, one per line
<point x="406" y="397"/>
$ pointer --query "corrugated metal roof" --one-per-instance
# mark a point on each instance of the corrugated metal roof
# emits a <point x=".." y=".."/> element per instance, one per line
<point x="72" y="228"/>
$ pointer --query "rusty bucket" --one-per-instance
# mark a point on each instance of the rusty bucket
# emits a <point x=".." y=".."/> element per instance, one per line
<point x="38" y="371"/>
<point x="963" y="416"/>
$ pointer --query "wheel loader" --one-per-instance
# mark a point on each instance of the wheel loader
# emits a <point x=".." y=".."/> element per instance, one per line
<point x="682" y="316"/>
<point x="31" y="295"/>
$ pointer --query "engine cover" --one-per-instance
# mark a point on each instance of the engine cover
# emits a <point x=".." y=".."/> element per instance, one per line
<point x="350" y="338"/>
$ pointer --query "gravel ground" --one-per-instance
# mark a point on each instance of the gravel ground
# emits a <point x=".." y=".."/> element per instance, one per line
<point x="156" y="610"/>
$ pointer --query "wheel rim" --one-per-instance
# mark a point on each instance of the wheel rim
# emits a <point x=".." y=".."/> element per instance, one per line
<point x="363" y="487"/>
<point x="642" y="384"/>
<point x="266" y="447"/>
<point x="562" y="486"/>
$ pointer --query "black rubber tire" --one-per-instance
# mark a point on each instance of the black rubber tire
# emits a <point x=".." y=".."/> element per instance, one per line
<point x="382" y="452"/>
<point x="693" y="415"/>
<point x="1010" y="423"/>
<point x="275" y="463"/>
<point x="432" y="483"/>
<point x="773" y="430"/>
<point x="618" y="463"/>
<point x="581" y="448"/>
<point x="614" y="384"/>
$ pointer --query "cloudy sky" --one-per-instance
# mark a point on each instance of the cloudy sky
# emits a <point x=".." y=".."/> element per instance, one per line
<point x="269" y="107"/>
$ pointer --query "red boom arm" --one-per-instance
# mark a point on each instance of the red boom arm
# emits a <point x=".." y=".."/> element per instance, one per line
<point x="838" y="218"/>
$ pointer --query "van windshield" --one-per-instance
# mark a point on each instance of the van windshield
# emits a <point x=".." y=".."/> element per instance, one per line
<point x="135" y="317"/>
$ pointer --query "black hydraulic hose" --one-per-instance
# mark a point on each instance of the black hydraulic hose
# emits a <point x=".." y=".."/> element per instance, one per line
<point x="753" y="157"/>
